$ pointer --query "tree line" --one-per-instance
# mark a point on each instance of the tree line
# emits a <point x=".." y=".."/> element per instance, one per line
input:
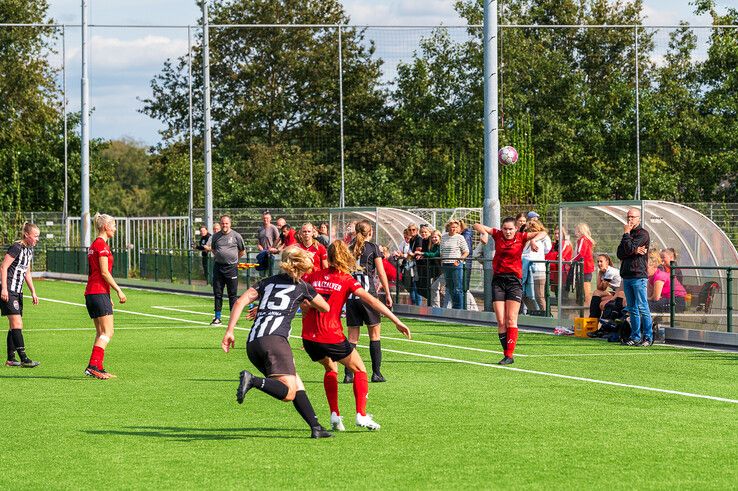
<point x="412" y="140"/>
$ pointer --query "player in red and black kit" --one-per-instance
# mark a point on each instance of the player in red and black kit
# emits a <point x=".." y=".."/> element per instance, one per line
<point x="268" y="347"/>
<point x="507" y="287"/>
<point x="97" y="294"/>
<point x="306" y="242"/>
<point x="369" y="263"/>
<point x="322" y="333"/>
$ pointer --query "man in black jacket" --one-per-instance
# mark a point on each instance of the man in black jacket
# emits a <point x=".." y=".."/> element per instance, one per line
<point x="632" y="253"/>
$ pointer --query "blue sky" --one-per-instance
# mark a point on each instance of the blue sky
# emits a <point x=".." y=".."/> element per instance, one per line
<point x="123" y="61"/>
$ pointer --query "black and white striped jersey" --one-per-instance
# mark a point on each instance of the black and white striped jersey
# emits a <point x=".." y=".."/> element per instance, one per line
<point x="367" y="271"/>
<point x="22" y="257"/>
<point x="280" y="298"/>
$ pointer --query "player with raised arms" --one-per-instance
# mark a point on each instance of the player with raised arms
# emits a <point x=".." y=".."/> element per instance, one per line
<point x="267" y="345"/>
<point x="15" y="268"/>
<point x="97" y="293"/>
<point x="369" y="263"/>
<point x="322" y="333"/>
<point x="507" y="287"/>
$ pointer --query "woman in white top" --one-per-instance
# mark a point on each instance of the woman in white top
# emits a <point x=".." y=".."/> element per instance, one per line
<point x="453" y="252"/>
<point x="534" y="268"/>
<point x="609" y="286"/>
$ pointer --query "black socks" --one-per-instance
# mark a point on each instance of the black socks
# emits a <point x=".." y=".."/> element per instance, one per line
<point x="20" y="348"/>
<point x="375" y="352"/>
<point x="503" y="340"/>
<point x="270" y="386"/>
<point x="11" y="346"/>
<point x="303" y="406"/>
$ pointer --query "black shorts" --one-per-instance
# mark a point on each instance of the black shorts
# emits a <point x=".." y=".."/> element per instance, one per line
<point x="272" y="355"/>
<point x="506" y="287"/>
<point x="14" y="305"/>
<point x="98" y="305"/>
<point x="336" y="352"/>
<point x="359" y="313"/>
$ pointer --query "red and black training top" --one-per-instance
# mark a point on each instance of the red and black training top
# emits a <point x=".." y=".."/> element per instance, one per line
<point x="508" y="253"/>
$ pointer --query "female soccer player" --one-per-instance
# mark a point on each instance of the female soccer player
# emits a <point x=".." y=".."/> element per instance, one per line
<point x="368" y="258"/>
<point x="268" y="347"/>
<point x="322" y="333"/>
<point x="307" y="242"/>
<point x="16" y="267"/>
<point x="507" y="287"/>
<point x="97" y="293"/>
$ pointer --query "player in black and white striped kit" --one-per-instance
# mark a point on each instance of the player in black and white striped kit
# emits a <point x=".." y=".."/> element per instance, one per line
<point x="268" y="347"/>
<point x="14" y="270"/>
<point x="369" y="260"/>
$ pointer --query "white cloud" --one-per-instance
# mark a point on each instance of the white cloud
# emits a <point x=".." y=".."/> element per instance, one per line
<point x="144" y="52"/>
<point x="407" y="12"/>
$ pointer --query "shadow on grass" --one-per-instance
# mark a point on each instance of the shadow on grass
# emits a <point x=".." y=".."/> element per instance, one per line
<point x="50" y="377"/>
<point x="187" y="348"/>
<point x="184" y="434"/>
<point x="235" y="380"/>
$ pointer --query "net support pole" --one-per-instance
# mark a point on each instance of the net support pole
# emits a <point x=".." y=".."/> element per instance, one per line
<point x="206" y="114"/>
<point x="340" y="113"/>
<point x="491" y="207"/>
<point x="189" y="95"/>
<point x="637" y="119"/>
<point x="85" y="135"/>
<point x="65" y="211"/>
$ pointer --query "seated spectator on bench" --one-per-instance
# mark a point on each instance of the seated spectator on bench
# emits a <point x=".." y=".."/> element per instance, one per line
<point x="667" y="256"/>
<point x="660" y="286"/>
<point x="609" y="286"/>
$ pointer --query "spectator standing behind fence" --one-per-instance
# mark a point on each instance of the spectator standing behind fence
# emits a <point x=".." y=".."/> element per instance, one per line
<point x="227" y="246"/>
<point x="437" y="280"/>
<point x="634" y="270"/>
<point x="553" y="255"/>
<point x="585" y="254"/>
<point x="415" y="244"/>
<point x="201" y="243"/>
<point x="659" y="283"/>
<point x="323" y="238"/>
<point x="521" y="220"/>
<point x="267" y="235"/>
<point x="286" y="234"/>
<point x="453" y="252"/>
<point x="534" y="266"/>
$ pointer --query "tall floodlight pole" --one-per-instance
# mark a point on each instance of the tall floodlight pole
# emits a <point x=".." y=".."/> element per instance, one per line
<point x="206" y="112"/>
<point x="65" y="211"/>
<point x="340" y="113"/>
<point x="190" y="204"/>
<point x="85" y="135"/>
<point x="638" y="121"/>
<point x="491" y="209"/>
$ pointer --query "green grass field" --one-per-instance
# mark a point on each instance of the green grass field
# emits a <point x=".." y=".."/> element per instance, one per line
<point x="450" y="418"/>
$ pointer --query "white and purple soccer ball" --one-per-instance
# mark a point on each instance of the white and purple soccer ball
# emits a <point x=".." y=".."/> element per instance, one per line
<point x="507" y="155"/>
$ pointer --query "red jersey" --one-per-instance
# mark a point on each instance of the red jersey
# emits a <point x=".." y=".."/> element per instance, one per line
<point x="318" y="252"/>
<point x="335" y="287"/>
<point x="95" y="282"/>
<point x="289" y="239"/>
<point x="508" y="253"/>
<point x="584" y="251"/>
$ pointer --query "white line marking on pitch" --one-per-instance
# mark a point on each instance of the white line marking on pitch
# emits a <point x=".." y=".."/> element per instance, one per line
<point x="568" y="377"/>
<point x="130" y="312"/>
<point x="454" y="360"/>
<point x="181" y="310"/>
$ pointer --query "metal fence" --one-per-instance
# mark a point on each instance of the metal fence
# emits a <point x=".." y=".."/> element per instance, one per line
<point x="709" y="301"/>
<point x="73" y="260"/>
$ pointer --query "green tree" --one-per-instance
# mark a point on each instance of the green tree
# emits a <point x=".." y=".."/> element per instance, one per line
<point x="279" y="88"/>
<point x="30" y="163"/>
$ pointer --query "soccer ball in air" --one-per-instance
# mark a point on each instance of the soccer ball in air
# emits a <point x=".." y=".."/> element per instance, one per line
<point x="507" y="155"/>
